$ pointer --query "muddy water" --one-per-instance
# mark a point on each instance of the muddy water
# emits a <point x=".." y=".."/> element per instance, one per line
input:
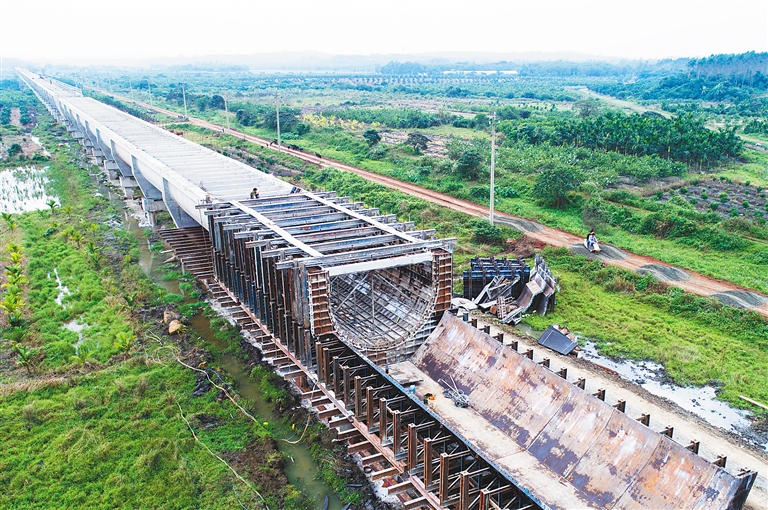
<point x="300" y="467"/>
<point x="149" y="261"/>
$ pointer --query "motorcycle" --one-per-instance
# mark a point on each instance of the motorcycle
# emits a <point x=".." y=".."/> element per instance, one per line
<point x="595" y="247"/>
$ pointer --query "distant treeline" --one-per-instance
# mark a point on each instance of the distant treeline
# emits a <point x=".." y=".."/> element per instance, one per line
<point x="732" y="87"/>
<point x="407" y="118"/>
<point x="742" y="64"/>
<point x="684" y="139"/>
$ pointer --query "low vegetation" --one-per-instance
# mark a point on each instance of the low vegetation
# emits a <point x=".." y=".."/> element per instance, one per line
<point x="94" y="407"/>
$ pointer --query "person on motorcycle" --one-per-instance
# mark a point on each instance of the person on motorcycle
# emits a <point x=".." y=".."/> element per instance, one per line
<point x="591" y="241"/>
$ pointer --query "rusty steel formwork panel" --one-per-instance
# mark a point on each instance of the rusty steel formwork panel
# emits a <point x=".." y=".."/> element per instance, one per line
<point x="432" y="465"/>
<point x="599" y="454"/>
<point x="311" y="265"/>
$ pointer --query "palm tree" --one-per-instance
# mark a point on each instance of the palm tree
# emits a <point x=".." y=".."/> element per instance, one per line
<point x="25" y="357"/>
<point x="84" y="356"/>
<point x="123" y="340"/>
<point x="52" y="204"/>
<point x="13" y="248"/>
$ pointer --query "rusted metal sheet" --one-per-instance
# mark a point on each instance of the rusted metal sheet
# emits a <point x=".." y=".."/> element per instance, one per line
<point x="517" y="396"/>
<point x="668" y="473"/>
<point x="442" y="362"/>
<point x="592" y="451"/>
<point x="613" y="461"/>
<point x="569" y="434"/>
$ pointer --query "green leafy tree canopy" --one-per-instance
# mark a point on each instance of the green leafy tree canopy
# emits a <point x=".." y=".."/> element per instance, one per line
<point x="553" y="185"/>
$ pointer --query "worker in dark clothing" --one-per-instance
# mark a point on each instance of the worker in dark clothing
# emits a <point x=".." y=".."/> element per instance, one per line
<point x="255" y="193"/>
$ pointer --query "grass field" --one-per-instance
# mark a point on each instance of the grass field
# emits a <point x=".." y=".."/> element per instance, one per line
<point x="97" y="422"/>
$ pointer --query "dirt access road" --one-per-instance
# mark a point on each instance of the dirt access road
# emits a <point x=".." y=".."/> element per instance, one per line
<point x="689" y="281"/>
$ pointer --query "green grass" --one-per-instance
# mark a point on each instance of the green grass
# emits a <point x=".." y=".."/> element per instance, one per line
<point x="685" y="333"/>
<point x="114" y="438"/>
<point x="106" y="431"/>
<point x="698" y="340"/>
<point x="753" y="169"/>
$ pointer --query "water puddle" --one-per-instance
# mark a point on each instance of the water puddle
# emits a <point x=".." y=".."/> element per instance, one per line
<point x="652" y="376"/>
<point x="63" y="289"/>
<point x="78" y="328"/>
<point x="136" y="222"/>
<point x="37" y="142"/>
<point x="699" y="401"/>
<point x="23" y="189"/>
<point x="300" y="469"/>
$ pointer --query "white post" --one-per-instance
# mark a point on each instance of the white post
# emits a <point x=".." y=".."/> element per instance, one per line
<point x="226" y="108"/>
<point x="277" y="114"/>
<point x="184" y="95"/>
<point x="493" y="162"/>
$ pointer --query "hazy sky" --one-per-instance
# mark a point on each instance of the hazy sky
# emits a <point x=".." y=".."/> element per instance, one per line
<point x="79" y="30"/>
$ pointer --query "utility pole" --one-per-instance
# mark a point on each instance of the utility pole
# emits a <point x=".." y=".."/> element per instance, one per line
<point x="184" y="95"/>
<point x="493" y="161"/>
<point x="149" y="88"/>
<point x="226" y="109"/>
<point x="130" y="84"/>
<point x="277" y="114"/>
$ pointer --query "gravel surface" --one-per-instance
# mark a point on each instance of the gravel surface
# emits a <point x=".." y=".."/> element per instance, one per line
<point x="665" y="273"/>
<point x="607" y="252"/>
<point x="740" y="298"/>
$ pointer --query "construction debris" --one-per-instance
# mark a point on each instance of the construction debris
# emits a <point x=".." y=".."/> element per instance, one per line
<point x="509" y="288"/>
<point x="537" y="295"/>
<point x="495" y="275"/>
<point x="460" y="399"/>
<point x="558" y="339"/>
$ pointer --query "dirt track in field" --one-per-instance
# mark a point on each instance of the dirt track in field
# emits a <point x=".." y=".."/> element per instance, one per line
<point x="697" y="283"/>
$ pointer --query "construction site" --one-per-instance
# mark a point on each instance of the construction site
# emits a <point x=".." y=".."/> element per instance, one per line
<point x="355" y="308"/>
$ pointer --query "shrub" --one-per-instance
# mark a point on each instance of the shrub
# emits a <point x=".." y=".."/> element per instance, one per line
<point x="723" y="197"/>
<point x="377" y="152"/>
<point x="714" y="206"/>
<point x="745" y="204"/>
<point x="553" y="185"/>
<point x="486" y="233"/>
<point x="620" y="284"/>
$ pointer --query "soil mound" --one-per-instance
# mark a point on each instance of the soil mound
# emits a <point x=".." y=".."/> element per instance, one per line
<point x="665" y="273"/>
<point x="607" y="252"/>
<point x="520" y="224"/>
<point x="740" y="298"/>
